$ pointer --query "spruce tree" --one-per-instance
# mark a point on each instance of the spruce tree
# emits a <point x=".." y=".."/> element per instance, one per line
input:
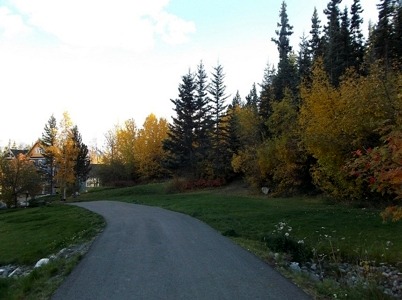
<point x="49" y="140"/>
<point x="252" y="99"/>
<point x="286" y="77"/>
<point x="267" y="96"/>
<point x="202" y="120"/>
<point x="346" y="59"/>
<point x="82" y="165"/>
<point x="180" y="141"/>
<point x="220" y="155"/>
<point x="333" y="42"/>
<point x="304" y="61"/>
<point x="315" y="42"/>
<point x="233" y="124"/>
<point x="384" y="33"/>
<point x="357" y="41"/>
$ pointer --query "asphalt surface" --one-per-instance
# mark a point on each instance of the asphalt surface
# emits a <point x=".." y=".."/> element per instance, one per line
<point x="150" y="253"/>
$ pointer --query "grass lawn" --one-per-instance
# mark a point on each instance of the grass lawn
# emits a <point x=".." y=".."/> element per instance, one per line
<point x="340" y="233"/>
<point x="358" y="233"/>
<point x="29" y="234"/>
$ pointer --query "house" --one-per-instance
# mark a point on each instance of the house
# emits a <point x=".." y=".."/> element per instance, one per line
<point x="34" y="154"/>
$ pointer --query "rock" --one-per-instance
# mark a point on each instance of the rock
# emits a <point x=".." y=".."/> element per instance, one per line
<point x="41" y="262"/>
<point x="265" y="190"/>
<point x="3" y="273"/>
<point x="16" y="272"/>
<point x="294" y="266"/>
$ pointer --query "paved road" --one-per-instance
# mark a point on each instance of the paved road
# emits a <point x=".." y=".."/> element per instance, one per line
<point x="151" y="253"/>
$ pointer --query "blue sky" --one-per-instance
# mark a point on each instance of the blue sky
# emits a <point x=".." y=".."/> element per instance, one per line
<point x="107" y="61"/>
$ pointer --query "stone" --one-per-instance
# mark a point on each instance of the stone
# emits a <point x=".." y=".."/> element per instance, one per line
<point x="294" y="266"/>
<point x="41" y="262"/>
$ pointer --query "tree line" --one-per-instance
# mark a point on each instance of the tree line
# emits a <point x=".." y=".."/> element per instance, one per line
<point x="326" y="119"/>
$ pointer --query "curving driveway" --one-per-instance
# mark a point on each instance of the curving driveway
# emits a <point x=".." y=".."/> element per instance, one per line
<point x="151" y="253"/>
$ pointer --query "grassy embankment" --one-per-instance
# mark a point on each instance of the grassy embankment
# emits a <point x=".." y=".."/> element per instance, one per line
<point x="27" y="235"/>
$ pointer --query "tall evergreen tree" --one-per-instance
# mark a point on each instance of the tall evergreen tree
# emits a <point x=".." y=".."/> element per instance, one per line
<point x="398" y="31"/>
<point x="180" y="141"/>
<point x="333" y="42"/>
<point x="82" y="165"/>
<point x="357" y="41"/>
<point x="220" y="156"/>
<point x="266" y="98"/>
<point x="304" y="61"/>
<point x="384" y="33"/>
<point x="233" y="123"/>
<point x="345" y="43"/>
<point x="252" y="99"/>
<point x="286" y="76"/>
<point x="202" y="119"/>
<point x="49" y="140"/>
<point x="315" y="42"/>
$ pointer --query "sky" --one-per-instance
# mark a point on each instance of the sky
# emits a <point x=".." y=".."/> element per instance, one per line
<point x="105" y="61"/>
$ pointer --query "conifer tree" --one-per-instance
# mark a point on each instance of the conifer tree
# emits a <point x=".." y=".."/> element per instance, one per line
<point x="82" y="164"/>
<point x="333" y="42"/>
<point x="304" y="61"/>
<point x="266" y="98"/>
<point x="384" y="34"/>
<point x="357" y="41"/>
<point x="49" y="140"/>
<point x="252" y="98"/>
<point x="233" y="123"/>
<point x="180" y="141"/>
<point x="286" y="77"/>
<point x="219" y="151"/>
<point x="315" y="42"/>
<point x="202" y="119"/>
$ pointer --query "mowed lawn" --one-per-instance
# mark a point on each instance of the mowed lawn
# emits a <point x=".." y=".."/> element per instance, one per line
<point x="29" y="234"/>
<point x="353" y="234"/>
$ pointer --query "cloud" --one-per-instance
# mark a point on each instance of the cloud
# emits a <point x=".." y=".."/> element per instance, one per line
<point x="12" y="26"/>
<point x="123" y="24"/>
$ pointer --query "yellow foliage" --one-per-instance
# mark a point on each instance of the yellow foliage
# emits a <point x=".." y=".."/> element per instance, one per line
<point x="337" y="121"/>
<point x="149" y="146"/>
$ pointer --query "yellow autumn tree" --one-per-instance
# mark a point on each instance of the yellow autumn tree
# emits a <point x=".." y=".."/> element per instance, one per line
<point x="282" y="158"/>
<point x="149" y="147"/>
<point x="337" y="121"/>
<point x="65" y="154"/>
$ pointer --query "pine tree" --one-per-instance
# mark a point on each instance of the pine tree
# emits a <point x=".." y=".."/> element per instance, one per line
<point x="286" y="77"/>
<point x="219" y="150"/>
<point x="252" y="99"/>
<point x="202" y="119"/>
<point x="315" y="42"/>
<point x="82" y="164"/>
<point x="357" y="41"/>
<point x="345" y="43"/>
<point x="304" y="61"/>
<point x="384" y="33"/>
<point x="233" y="123"/>
<point x="333" y="42"/>
<point x="266" y="98"/>
<point x="180" y="141"/>
<point x="49" y="140"/>
<point x="398" y="31"/>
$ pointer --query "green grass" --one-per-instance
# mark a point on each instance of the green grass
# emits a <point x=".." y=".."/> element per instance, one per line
<point x="359" y="234"/>
<point x="29" y="234"/>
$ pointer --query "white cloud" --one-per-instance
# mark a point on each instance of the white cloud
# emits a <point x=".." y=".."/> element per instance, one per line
<point x="124" y="24"/>
<point x="12" y="25"/>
